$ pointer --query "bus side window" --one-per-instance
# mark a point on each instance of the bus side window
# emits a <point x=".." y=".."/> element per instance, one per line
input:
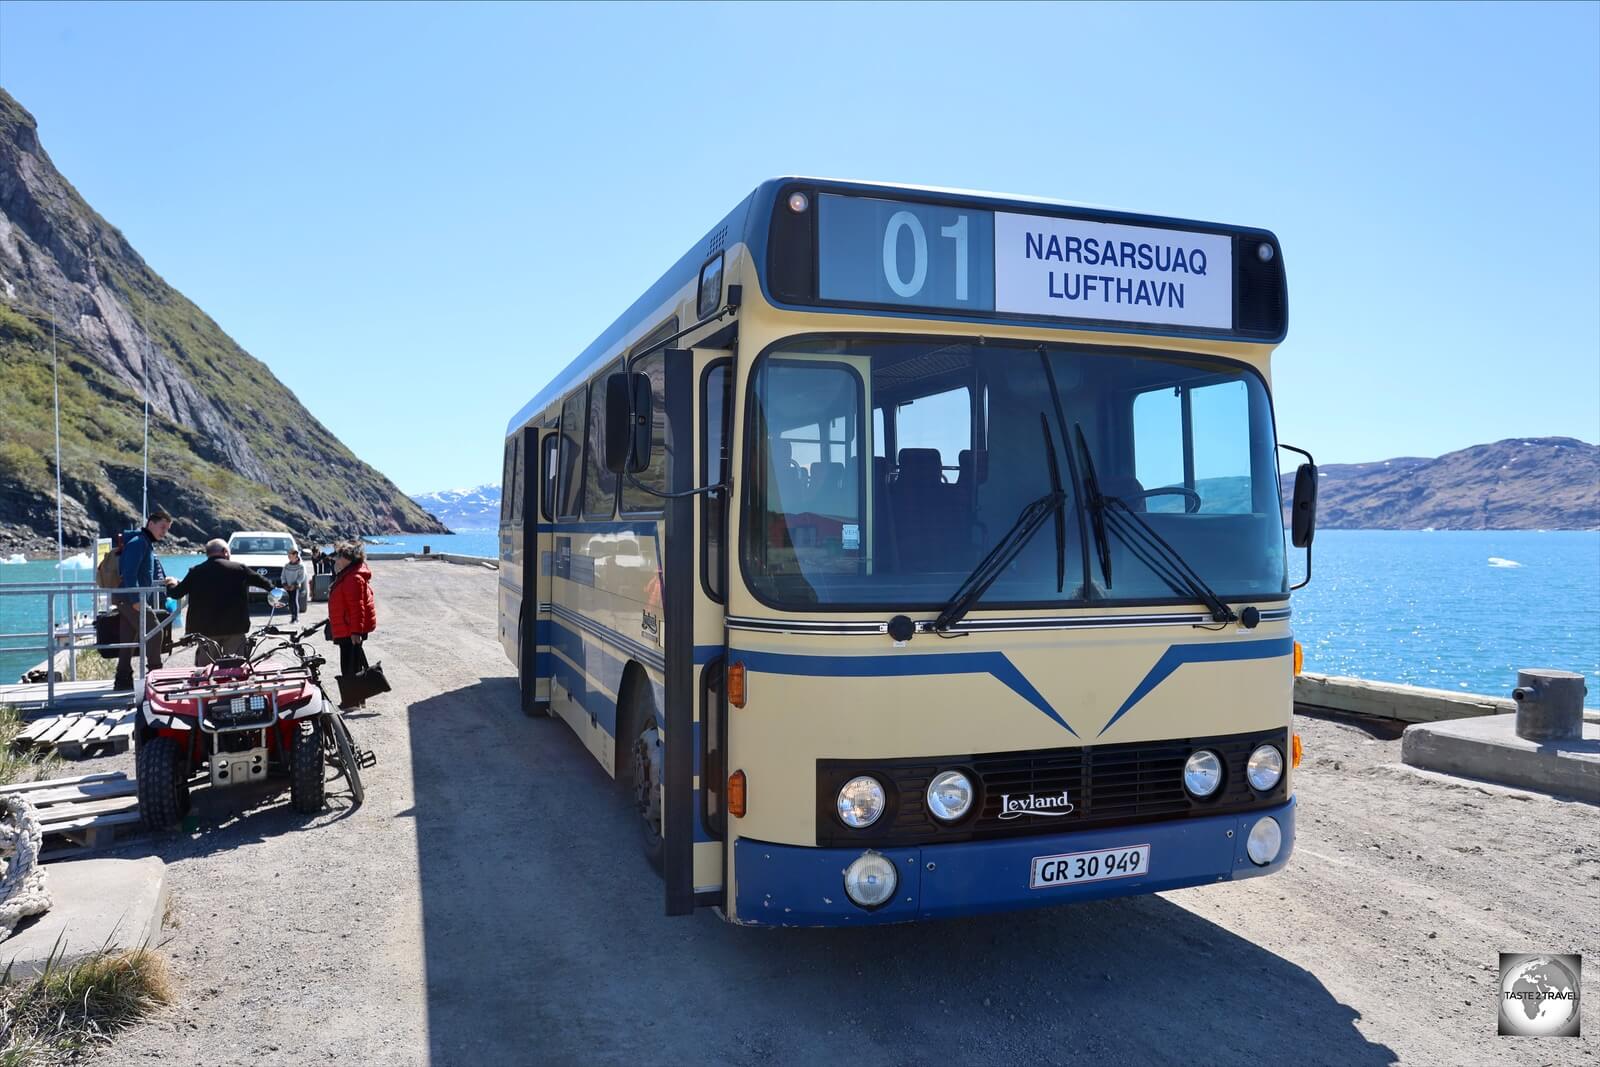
<point x="1219" y="426"/>
<point x="600" y="485"/>
<point x="505" y="481"/>
<point x="654" y="476"/>
<point x="547" y="472"/>
<point x="1158" y="447"/>
<point x="714" y="402"/>
<point x="569" y="490"/>
<point x="513" y="488"/>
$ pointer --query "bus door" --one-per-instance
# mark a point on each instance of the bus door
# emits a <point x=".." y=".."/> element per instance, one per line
<point x="712" y="411"/>
<point x="539" y="493"/>
<point x="811" y="467"/>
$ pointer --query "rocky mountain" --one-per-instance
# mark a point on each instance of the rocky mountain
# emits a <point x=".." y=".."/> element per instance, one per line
<point x="1523" y="483"/>
<point x="477" y="508"/>
<point x="230" y="446"/>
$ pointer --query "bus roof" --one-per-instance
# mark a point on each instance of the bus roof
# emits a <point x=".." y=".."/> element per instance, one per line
<point x="746" y="224"/>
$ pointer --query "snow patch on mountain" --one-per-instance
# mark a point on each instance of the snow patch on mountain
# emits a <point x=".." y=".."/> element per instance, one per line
<point x="477" y="508"/>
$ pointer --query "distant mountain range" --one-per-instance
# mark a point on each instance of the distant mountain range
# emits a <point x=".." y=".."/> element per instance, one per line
<point x="1519" y="483"/>
<point x="464" y="509"/>
<point x="1523" y="483"/>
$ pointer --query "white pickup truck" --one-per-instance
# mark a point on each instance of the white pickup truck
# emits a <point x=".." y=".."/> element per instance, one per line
<point x="265" y="552"/>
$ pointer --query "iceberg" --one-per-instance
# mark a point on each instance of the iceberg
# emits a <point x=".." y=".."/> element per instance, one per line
<point x="1496" y="561"/>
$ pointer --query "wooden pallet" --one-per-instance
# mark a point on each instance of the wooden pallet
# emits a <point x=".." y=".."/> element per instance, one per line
<point x="79" y="734"/>
<point x="81" y="814"/>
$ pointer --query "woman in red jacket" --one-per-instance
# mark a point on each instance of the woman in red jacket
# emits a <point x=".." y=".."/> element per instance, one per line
<point x="352" y="611"/>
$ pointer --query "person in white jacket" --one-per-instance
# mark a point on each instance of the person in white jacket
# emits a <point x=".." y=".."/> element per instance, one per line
<point x="292" y="580"/>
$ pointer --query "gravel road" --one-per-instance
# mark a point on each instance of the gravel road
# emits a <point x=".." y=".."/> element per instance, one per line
<point x="487" y="905"/>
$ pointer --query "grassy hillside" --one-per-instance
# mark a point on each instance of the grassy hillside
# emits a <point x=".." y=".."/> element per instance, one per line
<point x="230" y="445"/>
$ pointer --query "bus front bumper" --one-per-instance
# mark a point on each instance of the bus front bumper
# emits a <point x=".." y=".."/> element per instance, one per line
<point x="790" y="885"/>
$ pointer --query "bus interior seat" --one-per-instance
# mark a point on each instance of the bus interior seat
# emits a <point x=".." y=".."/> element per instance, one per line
<point x="974" y="467"/>
<point x="828" y="494"/>
<point x="882" y="521"/>
<point x="927" y="511"/>
<point x="788" y="478"/>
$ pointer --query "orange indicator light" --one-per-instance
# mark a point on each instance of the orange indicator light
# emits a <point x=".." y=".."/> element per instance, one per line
<point x="1299" y="659"/>
<point x="736" y="692"/>
<point x="736" y="794"/>
<point x="1296" y="748"/>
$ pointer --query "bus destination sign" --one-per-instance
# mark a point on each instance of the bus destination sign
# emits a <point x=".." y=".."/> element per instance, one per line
<point x="890" y="252"/>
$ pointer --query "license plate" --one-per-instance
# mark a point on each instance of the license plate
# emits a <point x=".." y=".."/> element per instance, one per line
<point x="1073" y="868"/>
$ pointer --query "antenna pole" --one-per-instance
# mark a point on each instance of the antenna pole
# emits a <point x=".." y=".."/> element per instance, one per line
<point x="144" y="387"/>
<point x="55" y="381"/>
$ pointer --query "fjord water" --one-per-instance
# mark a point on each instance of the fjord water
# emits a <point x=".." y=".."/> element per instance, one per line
<point x="1452" y="609"/>
<point x="1455" y="610"/>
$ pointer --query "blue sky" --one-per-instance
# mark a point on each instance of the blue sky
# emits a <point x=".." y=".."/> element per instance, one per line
<point x="447" y="203"/>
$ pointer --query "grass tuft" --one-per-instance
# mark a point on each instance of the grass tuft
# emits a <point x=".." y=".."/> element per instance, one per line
<point x="20" y="766"/>
<point x="70" y="1008"/>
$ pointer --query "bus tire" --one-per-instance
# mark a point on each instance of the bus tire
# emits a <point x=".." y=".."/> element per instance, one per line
<point x="645" y="760"/>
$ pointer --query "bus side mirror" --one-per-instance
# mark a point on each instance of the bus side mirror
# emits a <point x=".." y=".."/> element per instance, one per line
<point x="1303" y="517"/>
<point x="628" y="438"/>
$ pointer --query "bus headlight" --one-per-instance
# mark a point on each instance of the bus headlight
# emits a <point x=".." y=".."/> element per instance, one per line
<point x="871" y="880"/>
<point x="1202" y="774"/>
<point x="1265" y="841"/>
<point x="1265" y="768"/>
<point x="949" y="796"/>
<point x="861" y="801"/>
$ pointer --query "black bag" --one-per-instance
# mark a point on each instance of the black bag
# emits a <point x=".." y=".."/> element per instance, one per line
<point x="107" y="631"/>
<point x="364" y="684"/>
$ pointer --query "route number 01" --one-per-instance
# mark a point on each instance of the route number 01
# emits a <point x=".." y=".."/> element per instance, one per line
<point x="910" y="287"/>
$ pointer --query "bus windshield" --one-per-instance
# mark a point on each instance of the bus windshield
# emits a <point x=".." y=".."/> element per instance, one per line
<point x="881" y="471"/>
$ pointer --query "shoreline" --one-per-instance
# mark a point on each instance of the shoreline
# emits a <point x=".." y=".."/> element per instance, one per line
<point x="31" y="553"/>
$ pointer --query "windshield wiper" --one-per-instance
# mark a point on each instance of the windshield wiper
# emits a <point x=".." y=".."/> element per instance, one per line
<point x="1114" y="515"/>
<point x="1011" y="543"/>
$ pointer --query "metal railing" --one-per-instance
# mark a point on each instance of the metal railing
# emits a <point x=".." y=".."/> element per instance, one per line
<point x="57" y="639"/>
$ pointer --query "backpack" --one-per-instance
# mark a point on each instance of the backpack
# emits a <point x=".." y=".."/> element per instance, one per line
<point x="108" y="573"/>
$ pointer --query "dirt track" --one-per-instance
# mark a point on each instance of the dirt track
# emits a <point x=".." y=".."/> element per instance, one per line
<point x="487" y="905"/>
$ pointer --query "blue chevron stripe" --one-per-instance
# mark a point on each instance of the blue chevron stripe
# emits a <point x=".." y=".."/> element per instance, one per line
<point x="1220" y="652"/>
<point x="994" y="664"/>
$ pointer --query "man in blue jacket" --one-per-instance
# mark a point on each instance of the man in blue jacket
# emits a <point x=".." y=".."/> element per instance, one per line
<point x="138" y="566"/>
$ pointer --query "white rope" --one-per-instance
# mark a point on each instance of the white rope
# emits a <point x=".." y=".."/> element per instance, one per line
<point x="22" y="886"/>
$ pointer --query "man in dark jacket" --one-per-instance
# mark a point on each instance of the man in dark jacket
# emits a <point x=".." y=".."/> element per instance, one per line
<point x="138" y="566"/>
<point x="219" y="600"/>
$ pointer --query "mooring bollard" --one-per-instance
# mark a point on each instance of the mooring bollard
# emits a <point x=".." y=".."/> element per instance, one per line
<point x="1549" y="705"/>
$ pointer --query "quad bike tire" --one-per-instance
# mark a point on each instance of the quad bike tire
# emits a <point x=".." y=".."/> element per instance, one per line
<point x="308" y="769"/>
<point x="163" y="783"/>
<point x="345" y="755"/>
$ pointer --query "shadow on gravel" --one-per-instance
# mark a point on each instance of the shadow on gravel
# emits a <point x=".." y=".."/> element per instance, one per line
<point x="545" y="942"/>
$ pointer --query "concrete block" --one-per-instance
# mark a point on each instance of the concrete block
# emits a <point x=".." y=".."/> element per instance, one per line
<point x="1489" y="749"/>
<point x="114" y="904"/>
<point x="1387" y="700"/>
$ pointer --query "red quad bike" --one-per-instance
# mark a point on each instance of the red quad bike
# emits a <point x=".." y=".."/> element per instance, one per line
<point x="243" y="719"/>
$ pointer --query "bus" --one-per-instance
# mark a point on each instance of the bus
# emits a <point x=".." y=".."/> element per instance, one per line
<point x="907" y="552"/>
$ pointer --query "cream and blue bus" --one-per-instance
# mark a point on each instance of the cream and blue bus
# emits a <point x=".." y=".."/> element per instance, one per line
<point x="907" y="552"/>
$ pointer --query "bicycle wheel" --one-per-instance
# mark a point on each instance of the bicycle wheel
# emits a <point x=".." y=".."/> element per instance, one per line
<point x="345" y="755"/>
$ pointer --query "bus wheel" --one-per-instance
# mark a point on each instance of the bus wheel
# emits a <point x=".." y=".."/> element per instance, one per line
<point x="647" y="782"/>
